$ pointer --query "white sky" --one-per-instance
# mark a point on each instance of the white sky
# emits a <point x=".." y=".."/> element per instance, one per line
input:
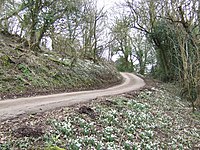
<point x="107" y="3"/>
<point x="108" y="6"/>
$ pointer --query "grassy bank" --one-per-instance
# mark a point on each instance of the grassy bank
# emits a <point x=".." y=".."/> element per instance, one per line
<point x="24" y="73"/>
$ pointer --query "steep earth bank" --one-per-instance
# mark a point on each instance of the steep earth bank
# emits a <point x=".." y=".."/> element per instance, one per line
<point x="24" y="73"/>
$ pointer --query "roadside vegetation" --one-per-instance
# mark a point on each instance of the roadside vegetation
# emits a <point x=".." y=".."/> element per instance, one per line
<point x="49" y="46"/>
<point x="160" y="38"/>
<point x="26" y="74"/>
<point x="150" y="118"/>
<point x="52" y="46"/>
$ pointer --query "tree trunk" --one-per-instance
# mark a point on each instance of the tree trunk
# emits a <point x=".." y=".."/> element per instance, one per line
<point x="34" y="18"/>
<point x="95" y="40"/>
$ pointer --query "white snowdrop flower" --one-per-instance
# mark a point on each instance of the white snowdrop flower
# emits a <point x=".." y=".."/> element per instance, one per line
<point x="128" y="142"/>
<point x="114" y="111"/>
<point x="92" y="123"/>
<point x="82" y="120"/>
<point x="149" y="92"/>
<point x="109" y="129"/>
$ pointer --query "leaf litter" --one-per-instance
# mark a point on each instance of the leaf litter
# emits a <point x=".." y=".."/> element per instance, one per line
<point x="150" y="118"/>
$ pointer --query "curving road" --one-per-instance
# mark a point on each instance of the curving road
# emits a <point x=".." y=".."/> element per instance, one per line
<point x="14" y="107"/>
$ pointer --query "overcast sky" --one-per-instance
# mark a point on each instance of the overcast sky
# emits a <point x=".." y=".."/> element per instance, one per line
<point x="107" y="3"/>
<point x="108" y="6"/>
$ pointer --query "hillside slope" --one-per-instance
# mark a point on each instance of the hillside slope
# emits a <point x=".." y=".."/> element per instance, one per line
<point x="23" y="73"/>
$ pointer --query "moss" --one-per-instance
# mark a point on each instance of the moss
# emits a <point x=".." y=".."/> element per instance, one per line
<point x="5" y="61"/>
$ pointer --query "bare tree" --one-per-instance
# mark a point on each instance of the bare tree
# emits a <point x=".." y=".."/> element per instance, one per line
<point x="91" y="30"/>
<point x="173" y="27"/>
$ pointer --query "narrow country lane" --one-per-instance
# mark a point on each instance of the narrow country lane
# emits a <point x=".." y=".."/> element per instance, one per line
<point x="13" y="107"/>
